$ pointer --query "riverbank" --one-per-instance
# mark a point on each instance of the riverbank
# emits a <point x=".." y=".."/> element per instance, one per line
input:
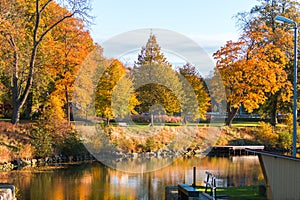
<point x="48" y="162"/>
<point x="37" y="144"/>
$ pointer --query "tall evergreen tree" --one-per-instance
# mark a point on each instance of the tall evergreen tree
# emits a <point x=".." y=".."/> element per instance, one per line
<point x="155" y="80"/>
<point x="151" y="54"/>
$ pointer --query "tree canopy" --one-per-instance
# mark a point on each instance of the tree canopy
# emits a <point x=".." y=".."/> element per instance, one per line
<point x="190" y="77"/>
<point x="155" y="80"/>
<point x="25" y="28"/>
<point x="256" y="69"/>
<point x="114" y="96"/>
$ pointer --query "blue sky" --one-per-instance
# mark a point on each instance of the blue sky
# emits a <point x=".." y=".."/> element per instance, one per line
<point x="209" y="23"/>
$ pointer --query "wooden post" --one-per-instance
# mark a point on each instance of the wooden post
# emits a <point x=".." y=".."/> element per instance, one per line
<point x="194" y="177"/>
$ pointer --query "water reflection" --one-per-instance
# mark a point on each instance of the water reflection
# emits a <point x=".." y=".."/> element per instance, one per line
<point x="96" y="181"/>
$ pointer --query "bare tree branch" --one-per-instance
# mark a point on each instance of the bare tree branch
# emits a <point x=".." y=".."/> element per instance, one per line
<point x="52" y="26"/>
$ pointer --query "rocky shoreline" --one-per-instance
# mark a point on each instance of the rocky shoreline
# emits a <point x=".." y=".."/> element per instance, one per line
<point x="115" y="156"/>
<point x="39" y="162"/>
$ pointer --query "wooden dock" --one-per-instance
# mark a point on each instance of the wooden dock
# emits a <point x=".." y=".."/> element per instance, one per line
<point x="234" y="150"/>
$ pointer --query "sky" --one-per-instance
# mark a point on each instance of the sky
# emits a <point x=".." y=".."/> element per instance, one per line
<point x="209" y="23"/>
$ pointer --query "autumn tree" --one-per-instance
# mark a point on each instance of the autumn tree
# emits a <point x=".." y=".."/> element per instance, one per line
<point x="24" y="25"/>
<point x="199" y="93"/>
<point x="124" y="98"/>
<point x="251" y="69"/>
<point x="87" y="79"/>
<point x="114" y="89"/>
<point x="281" y="37"/>
<point x="155" y="80"/>
<point x="72" y="46"/>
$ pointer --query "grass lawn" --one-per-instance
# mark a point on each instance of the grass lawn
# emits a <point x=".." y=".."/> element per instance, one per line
<point x="237" y="193"/>
<point x="244" y="124"/>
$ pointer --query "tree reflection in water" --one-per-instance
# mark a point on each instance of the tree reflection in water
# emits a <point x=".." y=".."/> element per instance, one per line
<point x="96" y="181"/>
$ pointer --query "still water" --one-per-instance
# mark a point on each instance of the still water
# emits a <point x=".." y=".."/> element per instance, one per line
<point x="95" y="181"/>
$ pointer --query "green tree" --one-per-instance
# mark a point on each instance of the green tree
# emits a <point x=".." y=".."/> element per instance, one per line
<point x="151" y="54"/>
<point x="155" y="80"/>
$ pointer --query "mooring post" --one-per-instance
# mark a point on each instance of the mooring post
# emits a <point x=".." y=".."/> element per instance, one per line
<point x="194" y="177"/>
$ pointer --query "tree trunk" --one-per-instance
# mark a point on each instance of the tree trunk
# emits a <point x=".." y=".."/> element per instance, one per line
<point x="16" y="113"/>
<point x="231" y="115"/>
<point x="28" y="108"/>
<point x="68" y="112"/>
<point x="18" y="97"/>
<point x="16" y="103"/>
<point x="273" y="120"/>
<point x="184" y="120"/>
<point x="151" y="123"/>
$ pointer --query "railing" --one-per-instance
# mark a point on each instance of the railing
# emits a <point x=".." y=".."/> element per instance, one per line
<point x="210" y="186"/>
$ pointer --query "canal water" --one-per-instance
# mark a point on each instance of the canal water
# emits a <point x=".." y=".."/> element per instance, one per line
<point x="95" y="181"/>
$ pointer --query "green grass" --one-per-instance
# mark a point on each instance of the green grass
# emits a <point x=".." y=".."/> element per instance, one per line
<point x="244" y="124"/>
<point x="237" y="193"/>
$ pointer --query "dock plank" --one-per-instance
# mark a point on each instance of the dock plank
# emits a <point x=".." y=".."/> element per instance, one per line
<point x="235" y="150"/>
<point x="258" y="147"/>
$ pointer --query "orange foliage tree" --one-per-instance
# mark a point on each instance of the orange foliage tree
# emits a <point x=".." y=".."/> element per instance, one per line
<point x="251" y="69"/>
<point x="69" y="46"/>
<point x="24" y="25"/>
<point x="281" y="36"/>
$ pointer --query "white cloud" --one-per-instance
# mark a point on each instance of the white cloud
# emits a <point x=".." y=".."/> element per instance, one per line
<point x="211" y="43"/>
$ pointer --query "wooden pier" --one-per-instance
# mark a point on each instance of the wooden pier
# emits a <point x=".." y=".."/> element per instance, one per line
<point x="234" y="150"/>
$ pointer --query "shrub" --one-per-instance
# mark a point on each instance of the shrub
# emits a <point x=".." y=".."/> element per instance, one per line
<point x="229" y="131"/>
<point x="285" y="139"/>
<point x="6" y="154"/>
<point x="146" y="118"/>
<point x="266" y="135"/>
<point x="42" y="142"/>
<point x="72" y="145"/>
<point x="150" y="145"/>
<point x="26" y="151"/>
<point x="173" y="119"/>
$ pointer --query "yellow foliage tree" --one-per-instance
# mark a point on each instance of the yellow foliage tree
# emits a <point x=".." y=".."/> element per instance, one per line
<point x="114" y="79"/>
<point x="199" y="93"/>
